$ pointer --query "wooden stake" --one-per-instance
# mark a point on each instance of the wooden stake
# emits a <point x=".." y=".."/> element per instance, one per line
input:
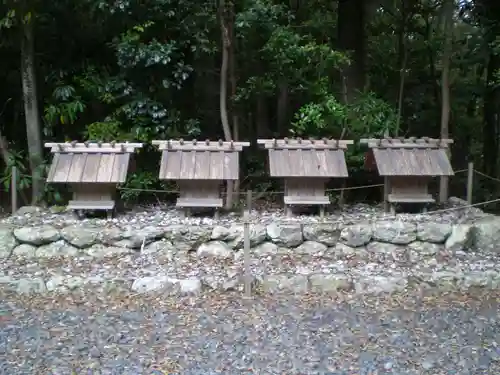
<point x="13" y="188"/>
<point x="246" y="254"/>
<point x="249" y="201"/>
<point x="470" y="181"/>
<point x="386" y="194"/>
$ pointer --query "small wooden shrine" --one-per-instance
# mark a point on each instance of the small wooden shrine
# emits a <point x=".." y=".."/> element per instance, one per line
<point x="306" y="165"/>
<point x="199" y="167"/>
<point x="92" y="169"/>
<point x="407" y="165"/>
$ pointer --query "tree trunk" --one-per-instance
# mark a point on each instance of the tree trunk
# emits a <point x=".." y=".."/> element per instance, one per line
<point x="223" y="92"/>
<point x="282" y="108"/>
<point x="32" y="117"/>
<point x="233" y="80"/>
<point x="445" y="87"/>
<point x="262" y="117"/>
<point x="403" y="57"/>
<point x="490" y="129"/>
<point x="351" y="38"/>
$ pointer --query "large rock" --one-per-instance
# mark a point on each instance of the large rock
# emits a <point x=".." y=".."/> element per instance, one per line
<point x="7" y="242"/>
<point x="330" y="282"/>
<point x="433" y="232"/>
<point x="266" y="249"/>
<point x="287" y="235"/>
<point x="81" y="236"/>
<point x="287" y="283"/>
<point x="164" y="283"/>
<point x="138" y="238"/>
<point x="187" y="238"/>
<point x="461" y="238"/>
<point x="234" y="237"/>
<point x="311" y="248"/>
<point x="388" y="251"/>
<point x="356" y="235"/>
<point x="420" y="249"/>
<point x="100" y="251"/>
<point x="395" y="232"/>
<point x="215" y="249"/>
<point x="110" y="235"/>
<point x="377" y="284"/>
<point x="487" y="235"/>
<point x="159" y="247"/>
<point x="37" y="236"/>
<point x="56" y="249"/>
<point x="24" y="251"/>
<point x="327" y="234"/>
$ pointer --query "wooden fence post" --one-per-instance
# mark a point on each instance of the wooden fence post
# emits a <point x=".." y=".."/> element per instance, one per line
<point x="246" y="254"/>
<point x="13" y="188"/>
<point x="249" y="201"/>
<point x="470" y="181"/>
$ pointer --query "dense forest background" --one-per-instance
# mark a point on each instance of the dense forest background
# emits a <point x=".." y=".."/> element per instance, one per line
<point x="160" y="69"/>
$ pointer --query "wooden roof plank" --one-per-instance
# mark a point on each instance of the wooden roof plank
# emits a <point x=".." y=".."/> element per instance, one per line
<point x="76" y="170"/>
<point x="106" y="168"/>
<point x="203" y="165"/>
<point x="318" y="161"/>
<point x="173" y="165"/>
<point x="295" y="162"/>
<point x="53" y="168"/>
<point x="230" y="166"/>
<point x="63" y="167"/>
<point x="340" y="164"/>
<point x="216" y="166"/>
<point x="188" y="166"/>
<point x="91" y="168"/>
<point x="276" y="168"/>
<point x="307" y="162"/>
<point x="120" y="168"/>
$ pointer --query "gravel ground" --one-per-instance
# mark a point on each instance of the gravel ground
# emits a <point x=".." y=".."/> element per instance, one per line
<point x="399" y="334"/>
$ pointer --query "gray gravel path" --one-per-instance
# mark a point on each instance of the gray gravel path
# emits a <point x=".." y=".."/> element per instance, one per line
<point x="403" y="335"/>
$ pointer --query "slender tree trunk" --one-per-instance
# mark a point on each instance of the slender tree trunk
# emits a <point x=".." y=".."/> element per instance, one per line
<point x="282" y="108"/>
<point x="403" y="57"/>
<point x="490" y="114"/>
<point x="352" y="38"/>
<point x="445" y="87"/>
<point x="32" y="117"/>
<point x="223" y="91"/>
<point x="233" y="80"/>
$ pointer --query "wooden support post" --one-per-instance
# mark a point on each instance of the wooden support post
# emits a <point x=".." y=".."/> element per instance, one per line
<point x="386" y="194"/>
<point x="13" y="188"/>
<point x="342" y="195"/>
<point x="246" y="254"/>
<point x="470" y="181"/>
<point x="249" y="201"/>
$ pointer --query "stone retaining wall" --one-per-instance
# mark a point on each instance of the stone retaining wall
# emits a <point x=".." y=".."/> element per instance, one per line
<point x="319" y="248"/>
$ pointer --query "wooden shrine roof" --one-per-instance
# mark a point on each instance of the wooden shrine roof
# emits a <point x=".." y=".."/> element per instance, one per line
<point x="306" y="158"/>
<point x="411" y="156"/>
<point x="199" y="160"/>
<point x="90" y="162"/>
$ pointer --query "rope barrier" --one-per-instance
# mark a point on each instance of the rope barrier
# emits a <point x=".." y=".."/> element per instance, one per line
<point x="243" y="192"/>
<point x="486" y="176"/>
<point x="264" y="192"/>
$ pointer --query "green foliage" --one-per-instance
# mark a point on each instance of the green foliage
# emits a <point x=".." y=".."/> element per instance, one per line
<point x="106" y="131"/>
<point x="65" y="108"/>
<point x="366" y="116"/>
<point x="136" y="184"/>
<point x="320" y="119"/>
